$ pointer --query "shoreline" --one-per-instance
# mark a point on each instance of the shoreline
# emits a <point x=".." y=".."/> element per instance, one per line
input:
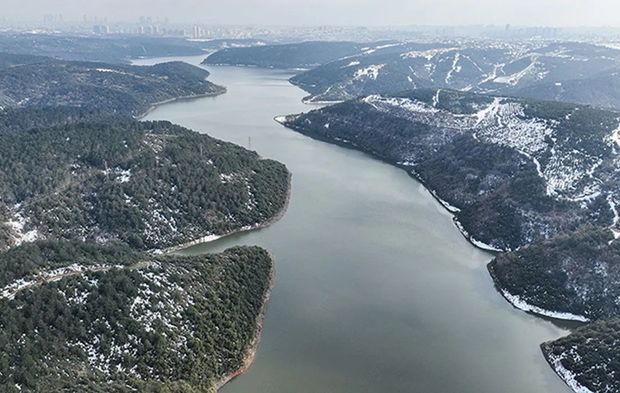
<point x="252" y="349"/>
<point x="269" y="68"/>
<point x="190" y="97"/>
<point x="310" y="98"/>
<point x="281" y="119"/>
<point x="564" y="374"/>
<point x="309" y="101"/>
<point x="522" y="305"/>
<point x="258" y="226"/>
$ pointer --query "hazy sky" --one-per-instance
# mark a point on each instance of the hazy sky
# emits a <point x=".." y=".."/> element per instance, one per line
<point x="335" y="12"/>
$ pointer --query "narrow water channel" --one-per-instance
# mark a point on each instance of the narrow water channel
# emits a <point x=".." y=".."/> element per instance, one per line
<point x="376" y="289"/>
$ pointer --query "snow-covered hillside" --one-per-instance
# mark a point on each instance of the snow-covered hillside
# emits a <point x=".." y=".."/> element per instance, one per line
<point x="516" y="68"/>
<point x="569" y="171"/>
<point x="515" y="170"/>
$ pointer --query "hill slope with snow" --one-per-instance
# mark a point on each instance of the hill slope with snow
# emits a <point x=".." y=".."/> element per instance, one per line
<point x="149" y="184"/>
<point x="528" y="69"/>
<point x="83" y="317"/>
<point x="514" y="171"/>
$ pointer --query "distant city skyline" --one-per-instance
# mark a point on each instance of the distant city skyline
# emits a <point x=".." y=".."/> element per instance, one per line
<point x="560" y="13"/>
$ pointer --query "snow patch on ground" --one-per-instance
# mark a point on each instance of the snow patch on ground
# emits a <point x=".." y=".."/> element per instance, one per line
<point x="534" y="68"/>
<point x="124" y="176"/>
<point x="370" y="72"/>
<point x="448" y="206"/>
<point x="159" y="305"/>
<point x="227" y="178"/>
<point x="426" y="54"/>
<point x="488" y="112"/>
<point x="568" y="175"/>
<point x="111" y="71"/>
<point x="521" y="304"/>
<point x="566" y="375"/>
<point x="280" y="119"/>
<point x="436" y="98"/>
<point x="562" y="175"/>
<point x="385" y="104"/>
<point x="613" y="206"/>
<point x="456" y="68"/>
<point x="118" y="174"/>
<point x="504" y="123"/>
<point x="614" y="139"/>
<point x="18" y="223"/>
<point x="11" y="290"/>
<point x="368" y="51"/>
<point x="614" y="209"/>
<point x="474" y="241"/>
<point x="500" y="122"/>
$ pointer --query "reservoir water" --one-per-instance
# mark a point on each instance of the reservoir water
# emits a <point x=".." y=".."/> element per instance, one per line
<point x="376" y="289"/>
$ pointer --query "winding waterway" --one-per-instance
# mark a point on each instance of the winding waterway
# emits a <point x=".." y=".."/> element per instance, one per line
<point x="376" y="290"/>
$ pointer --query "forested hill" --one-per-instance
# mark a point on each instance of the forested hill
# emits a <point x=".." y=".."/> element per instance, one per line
<point x="148" y="184"/>
<point x="289" y="56"/>
<point x="514" y="171"/>
<point x="565" y="71"/>
<point x="78" y="317"/>
<point x="12" y="60"/>
<point x="121" y="89"/>
<point x="588" y="359"/>
<point x="28" y="118"/>
<point x="573" y="275"/>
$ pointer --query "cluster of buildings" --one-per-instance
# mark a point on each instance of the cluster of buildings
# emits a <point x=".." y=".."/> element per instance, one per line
<point x="151" y="29"/>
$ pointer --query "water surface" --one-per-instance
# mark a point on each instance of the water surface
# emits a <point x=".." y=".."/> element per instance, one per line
<point x="376" y="290"/>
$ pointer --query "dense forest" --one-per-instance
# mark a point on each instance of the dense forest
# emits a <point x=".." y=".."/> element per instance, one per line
<point x="148" y="184"/>
<point x="120" y="89"/>
<point x="588" y="357"/>
<point x="13" y="120"/>
<point x="575" y="273"/>
<point x="110" y="319"/>
<point x="12" y="60"/>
